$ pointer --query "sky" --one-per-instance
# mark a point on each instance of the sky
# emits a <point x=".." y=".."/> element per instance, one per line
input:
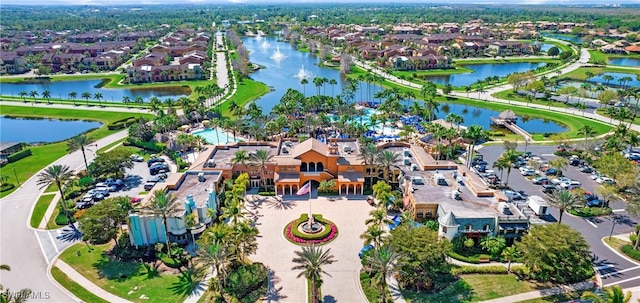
<point x="138" y="2"/>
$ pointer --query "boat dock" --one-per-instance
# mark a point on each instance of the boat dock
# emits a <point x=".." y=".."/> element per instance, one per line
<point x="507" y="119"/>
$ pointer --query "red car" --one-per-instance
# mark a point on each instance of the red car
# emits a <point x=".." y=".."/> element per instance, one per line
<point x="135" y="200"/>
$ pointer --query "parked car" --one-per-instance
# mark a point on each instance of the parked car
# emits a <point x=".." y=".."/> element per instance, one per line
<point x="549" y="188"/>
<point x="513" y="195"/>
<point x="595" y="175"/>
<point x="137" y="158"/>
<point x="527" y="171"/>
<point x="104" y="191"/>
<point x="159" y="168"/>
<point x="559" y="180"/>
<point x="586" y="169"/>
<point x="570" y="184"/>
<point x="540" y="180"/>
<point x="481" y="168"/>
<point x="551" y="172"/>
<point x="592" y="200"/>
<point x="149" y="185"/>
<point x="605" y="180"/>
<point x="154" y="160"/>
<point x="574" y="161"/>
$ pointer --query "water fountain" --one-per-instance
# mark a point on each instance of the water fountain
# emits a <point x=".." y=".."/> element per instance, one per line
<point x="277" y="55"/>
<point x="258" y="36"/>
<point x="265" y="44"/>
<point x="303" y="74"/>
<point x="311" y="226"/>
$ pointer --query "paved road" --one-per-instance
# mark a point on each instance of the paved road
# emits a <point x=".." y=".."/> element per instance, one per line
<point x="614" y="269"/>
<point x="29" y="252"/>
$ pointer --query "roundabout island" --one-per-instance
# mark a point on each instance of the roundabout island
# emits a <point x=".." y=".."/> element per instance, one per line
<point x="306" y="231"/>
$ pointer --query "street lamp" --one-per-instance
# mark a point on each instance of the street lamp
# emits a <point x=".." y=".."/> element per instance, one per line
<point x="16" y="174"/>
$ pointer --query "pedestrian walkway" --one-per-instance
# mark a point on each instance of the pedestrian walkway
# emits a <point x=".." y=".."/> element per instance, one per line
<point x="200" y="289"/>
<point x="49" y="212"/>
<point x="543" y="293"/>
<point x="86" y="284"/>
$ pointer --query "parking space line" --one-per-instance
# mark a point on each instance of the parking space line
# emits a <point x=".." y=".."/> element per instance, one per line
<point x="592" y="224"/>
<point x="53" y="242"/>
<point x="618" y="210"/>
<point x="609" y="274"/>
<point x="621" y="281"/>
<point x="41" y="247"/>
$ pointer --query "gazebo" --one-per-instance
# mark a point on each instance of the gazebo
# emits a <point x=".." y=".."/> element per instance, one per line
<point x="508" y="116"/>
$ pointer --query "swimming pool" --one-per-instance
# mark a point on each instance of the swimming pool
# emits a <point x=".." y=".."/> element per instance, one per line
<point x="215" y="136"/>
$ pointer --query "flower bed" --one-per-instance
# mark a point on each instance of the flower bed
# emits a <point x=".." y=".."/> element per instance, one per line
<point x="295" y="236"/>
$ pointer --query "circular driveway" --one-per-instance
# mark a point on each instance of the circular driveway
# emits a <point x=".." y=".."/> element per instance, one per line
<point x="276" y="252"/>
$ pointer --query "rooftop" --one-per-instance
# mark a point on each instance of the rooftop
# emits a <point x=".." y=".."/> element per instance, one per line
<point x="191" y="186"/>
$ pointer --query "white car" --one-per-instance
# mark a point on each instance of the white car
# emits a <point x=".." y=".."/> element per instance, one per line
<point x="513" y="195"/>
<point x="605" y="180"/>
<point x="570" y="184"/>
<point x="527" y="171"/>
<point x="557" y="181"/>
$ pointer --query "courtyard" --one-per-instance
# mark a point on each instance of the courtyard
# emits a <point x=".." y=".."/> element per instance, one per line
<point x="276" y="252"/>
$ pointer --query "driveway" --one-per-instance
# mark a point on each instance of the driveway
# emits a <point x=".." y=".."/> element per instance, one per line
<point x="614" y="269"/>
<point x="276" y="252"/>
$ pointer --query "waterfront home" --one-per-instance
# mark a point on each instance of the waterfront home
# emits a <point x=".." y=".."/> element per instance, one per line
<point x="12" y="63"/>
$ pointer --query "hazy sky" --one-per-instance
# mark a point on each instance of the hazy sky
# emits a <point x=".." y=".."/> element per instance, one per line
<point x="138" y="2"/>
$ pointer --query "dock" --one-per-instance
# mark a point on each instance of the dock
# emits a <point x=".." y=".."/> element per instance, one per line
<point x="512" y="126"/>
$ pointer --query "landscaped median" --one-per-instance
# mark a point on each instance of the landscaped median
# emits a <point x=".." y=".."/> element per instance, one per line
<point x="40" y="209"/>
<point x="623" y="247"/>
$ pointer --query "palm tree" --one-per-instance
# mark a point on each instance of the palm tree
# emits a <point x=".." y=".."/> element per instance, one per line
<point x="378" y="217"/>
<point x="260" y="159"/>
<point x="33" y="94"/>
<point x="510" y="253"/>
<point x="374" y="234"/>
<point x="86" y="96"/>
<point x="47" y="95"/>
<point x="126" y="100"/>
<point x="500" y="165"/>
<point x="191" y="222"/>
<point x="57" y="174"/>
<point x="73" y="96"/>
<point x="587" y="131"/>
<point x="333" y="83"/>
<point x="23" y="94"/>
<point x="97" y="96"/>
<point x="80" y="142"/>
<point x="387" y="159"/>
<point x="563" y="200"/>
<point x="311" y="260"/>
<point x="474" y="133"/>
<point x="163" y="204"/>
<point x="240" y="157"/>
<point x="381" y="262"/>
<point x="245" y="236"/>
<point x="368" y="156"/>
<point x="613" y="294"/>
<point x="607" y="78"/>
<point x="493" y="245"/>
<point x="510" y="156"/>
<point x="219" y="255"/>
<point x="304" y="82"/>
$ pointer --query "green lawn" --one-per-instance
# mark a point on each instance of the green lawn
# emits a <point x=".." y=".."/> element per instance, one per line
<point x="510" y="95"/>
<point x="43" y="155"/>
<point x="75" y="288"/>
<point x="580" y="73"/>
<point x="248" y="90"/>
<point x="600" y="57"/>
<point x="556" y="298"/>
<point x="40" y="209"/>
<point x="120" y="278"/>
<point x="475" y="288"/>
<point x="372" y="294"/>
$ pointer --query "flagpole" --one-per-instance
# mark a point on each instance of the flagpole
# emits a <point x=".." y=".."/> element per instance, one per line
<point x="310" y="214"/>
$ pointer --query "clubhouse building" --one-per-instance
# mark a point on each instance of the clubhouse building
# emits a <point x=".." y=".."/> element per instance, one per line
<point x="431" y="189"/>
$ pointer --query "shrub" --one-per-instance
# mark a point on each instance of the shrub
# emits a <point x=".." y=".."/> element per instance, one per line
<point x="630" y="252"/>
<point x="171" y="262"/>
<point x="633" y="238"/>
<point x="496" y="134"/>
<point x="590" y="211"/>
<point x="122" y="123"/>
<point x="247" y="283"/>
<point x="494" y="269"/>
<point x="147" y="145"/>
<point x="267" y="193"/>
<point x="293" y="234"/>
<point x="19" y="155"/>
<point x="6" y="187"/>
<point x="462" y="258"/>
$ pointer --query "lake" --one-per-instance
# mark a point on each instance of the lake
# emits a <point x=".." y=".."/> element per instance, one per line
<point x="624" y="61"/>
<point x="284" y="71"/>
<point x="616" y="76"/>
<point x="482" y="71"/>
<point x="35" y="130"/>
<point x="61" y="89"/>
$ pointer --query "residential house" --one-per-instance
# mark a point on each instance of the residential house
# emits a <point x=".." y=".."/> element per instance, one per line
<point x="12" y="63"/>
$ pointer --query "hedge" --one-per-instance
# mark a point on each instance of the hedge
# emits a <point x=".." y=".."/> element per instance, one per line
<point x="590" y="211"/>
<point x="171" y="262"/>
<point x="467" y="269"/>
<point x="317" y="236"/>
<point x="633" y="238"/>
<point x="630" y="252"/>
<point x="19" y="155"/>
<point x="147" y="145"/>
<point x="122" y="123"/>
<point x="268" y="193"/>
<point x="462" y="258"/>
<point x="6" y="187"/>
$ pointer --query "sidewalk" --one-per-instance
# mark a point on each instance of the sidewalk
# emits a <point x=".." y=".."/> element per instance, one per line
<point x="542" y="293"/>
<point x="50" y="210"/>
<point x="85" y="283"/>
<point x="199" y="291"/>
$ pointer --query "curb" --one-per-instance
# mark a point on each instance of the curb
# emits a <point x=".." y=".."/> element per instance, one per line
<point x="619" y="254"/>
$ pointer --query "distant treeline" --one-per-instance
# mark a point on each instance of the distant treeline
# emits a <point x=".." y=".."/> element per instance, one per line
<point x="84" y="18"/>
